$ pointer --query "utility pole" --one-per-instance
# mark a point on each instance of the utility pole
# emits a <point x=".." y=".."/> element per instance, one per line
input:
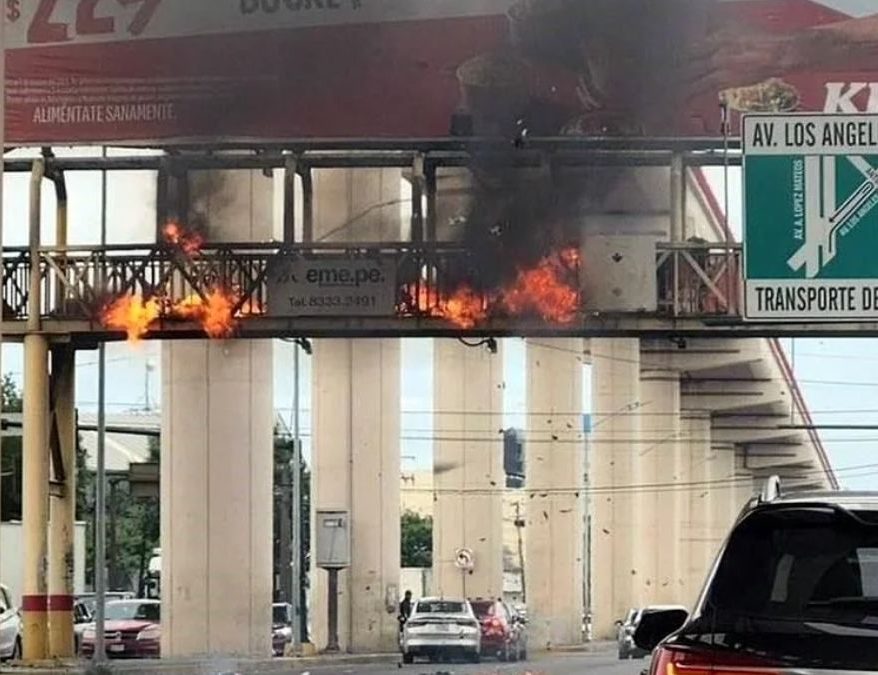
<point x="519" y="526"/>
<point x="100" y="567"/>
<point x="147" y="404"/>
<point x="296" y="509"/>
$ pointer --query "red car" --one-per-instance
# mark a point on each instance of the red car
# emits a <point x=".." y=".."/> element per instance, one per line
<point x="502" y="632"/>
<point x="132" y="630"/>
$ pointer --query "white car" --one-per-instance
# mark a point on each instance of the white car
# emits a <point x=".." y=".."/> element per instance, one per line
<point x="10" y="628"/>
<point x="441" y="629"/>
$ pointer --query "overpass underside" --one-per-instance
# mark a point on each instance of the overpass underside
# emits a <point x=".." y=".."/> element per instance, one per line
<point x="688" y="414"/>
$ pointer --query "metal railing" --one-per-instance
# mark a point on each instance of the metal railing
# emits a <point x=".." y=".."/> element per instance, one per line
<point x="696" y="281"/>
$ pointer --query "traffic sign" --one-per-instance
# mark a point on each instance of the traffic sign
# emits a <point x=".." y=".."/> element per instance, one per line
<point x="464" y="559"/>
<point x="811" y="217"/>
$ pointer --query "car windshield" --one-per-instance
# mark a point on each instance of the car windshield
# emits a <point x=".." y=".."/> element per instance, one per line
<point x="795" y="573"/>
<point x="133" y="611"/>
<point x="440" y="607"/>
<point x="279" y="614"/>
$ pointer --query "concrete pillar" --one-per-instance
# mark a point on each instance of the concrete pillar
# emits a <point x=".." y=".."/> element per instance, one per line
<point x="468" y="469"/>
<point x="63" y="507"/>
<point x="616" y="428"/>
<point x="745" y="487"/>
<point x="357" y="205"/>
<point x="217" y="460"/>
<point x="356" y="467"/>
<point x="35" y="497"/>
<point x="722" y="483"/>
<point x="554" y="567"/>
<point x="697" y="531"/>
<point x="658" y="500"/>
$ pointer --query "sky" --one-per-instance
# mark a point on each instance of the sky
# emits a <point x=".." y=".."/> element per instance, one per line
<point x="839" y="377"/>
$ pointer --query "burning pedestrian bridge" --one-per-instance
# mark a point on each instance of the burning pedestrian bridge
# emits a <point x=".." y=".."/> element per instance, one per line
<point x="185" y="285"/>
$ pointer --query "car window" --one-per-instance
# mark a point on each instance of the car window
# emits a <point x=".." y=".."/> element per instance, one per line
<point x="483" y="608"/>
<point x="133" y="611"/>
<point x="4" y="600"/>
<point x="280" y="614"/>
<point x="796" y="573"/>
<point x="440" y="607"/>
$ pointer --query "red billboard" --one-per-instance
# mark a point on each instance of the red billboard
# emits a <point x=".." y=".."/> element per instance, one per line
<point x="145" y="70"/>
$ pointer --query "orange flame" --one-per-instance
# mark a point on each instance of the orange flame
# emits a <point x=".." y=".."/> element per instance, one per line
<point x="464" y="308"/>
<point x="188" y="242"/>
<point x="214" y="313"/>
<point x="546" y="290"/>
<point x="131" y="314"/>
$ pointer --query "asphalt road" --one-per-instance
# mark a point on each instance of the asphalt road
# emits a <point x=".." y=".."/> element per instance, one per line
<point x="561" y="664"/>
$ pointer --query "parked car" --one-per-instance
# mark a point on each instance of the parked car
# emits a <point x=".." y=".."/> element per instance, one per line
<point x="795" y="589"/>
<point x="82" y="619"/>
<point x="441" y="629"/>
<point x="281" y="627"/>
<point x="503" y="633"/>
<point x="132" y="630"/>
<point x="10" y="627"/>
<point x="625" y="637"/>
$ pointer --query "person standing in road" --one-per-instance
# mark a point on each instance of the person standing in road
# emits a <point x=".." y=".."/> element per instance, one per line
<point x="405" y="608"/>
<point x="405" y="611"/>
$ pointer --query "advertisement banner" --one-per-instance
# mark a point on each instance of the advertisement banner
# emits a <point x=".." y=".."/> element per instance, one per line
<point x="338" y="287"/>
<point x="83" y="71"/>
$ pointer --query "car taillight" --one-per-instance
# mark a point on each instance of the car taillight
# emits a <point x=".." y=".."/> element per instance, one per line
<point x="694" y="661"/>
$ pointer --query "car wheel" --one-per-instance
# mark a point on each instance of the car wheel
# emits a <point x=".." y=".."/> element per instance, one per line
<point x="408" y="658"/>
<point x="16" y="650"/>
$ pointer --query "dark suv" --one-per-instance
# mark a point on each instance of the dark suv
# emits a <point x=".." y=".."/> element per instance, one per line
<point x="795" y="588"/>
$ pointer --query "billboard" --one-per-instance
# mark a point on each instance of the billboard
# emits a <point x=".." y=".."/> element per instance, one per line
<point x="143" y="70"/>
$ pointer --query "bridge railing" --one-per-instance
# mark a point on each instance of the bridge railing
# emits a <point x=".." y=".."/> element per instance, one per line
<point x="697" y="281"/>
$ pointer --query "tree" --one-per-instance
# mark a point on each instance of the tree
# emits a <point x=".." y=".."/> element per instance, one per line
<point x="283" y="491"/>
<point x="10" y="488"/>
<point x="416" y="538"/>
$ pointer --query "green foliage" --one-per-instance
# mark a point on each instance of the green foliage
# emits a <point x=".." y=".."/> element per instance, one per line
<point x="11" y="394"/>
<point x="10" y="478"/>
<point x="416" y="538"/>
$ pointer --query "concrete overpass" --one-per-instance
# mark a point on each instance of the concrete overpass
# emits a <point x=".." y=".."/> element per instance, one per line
<point x="677" y="391"/>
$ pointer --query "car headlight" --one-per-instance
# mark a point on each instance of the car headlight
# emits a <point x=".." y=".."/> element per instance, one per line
<point x="88" y="634"/>
<point x="151" y="633"/>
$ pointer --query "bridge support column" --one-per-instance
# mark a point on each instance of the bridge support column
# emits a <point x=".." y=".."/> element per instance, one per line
<point x="745" y="487"/>
<point x="698" y="533"/>
<point x="35" y="498"/>
<point x="554" y="567"/>
<point x="658" y="503"/>
<point x="616" y="400"/>
<point x="356" y="394"/>
<point x="63" y="505"/>
<point x="722" y="482"/>
<point x="468" y="469"/>
<point x="217" y="460"/>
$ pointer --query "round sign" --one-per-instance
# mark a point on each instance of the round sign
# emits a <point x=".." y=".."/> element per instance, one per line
<point x="464" y="559"/>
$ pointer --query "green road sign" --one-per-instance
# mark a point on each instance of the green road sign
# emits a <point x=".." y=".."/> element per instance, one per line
<point x="811" y="217"/>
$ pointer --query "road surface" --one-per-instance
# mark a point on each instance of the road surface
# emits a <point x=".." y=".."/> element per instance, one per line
<point x="563" y="664"/>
